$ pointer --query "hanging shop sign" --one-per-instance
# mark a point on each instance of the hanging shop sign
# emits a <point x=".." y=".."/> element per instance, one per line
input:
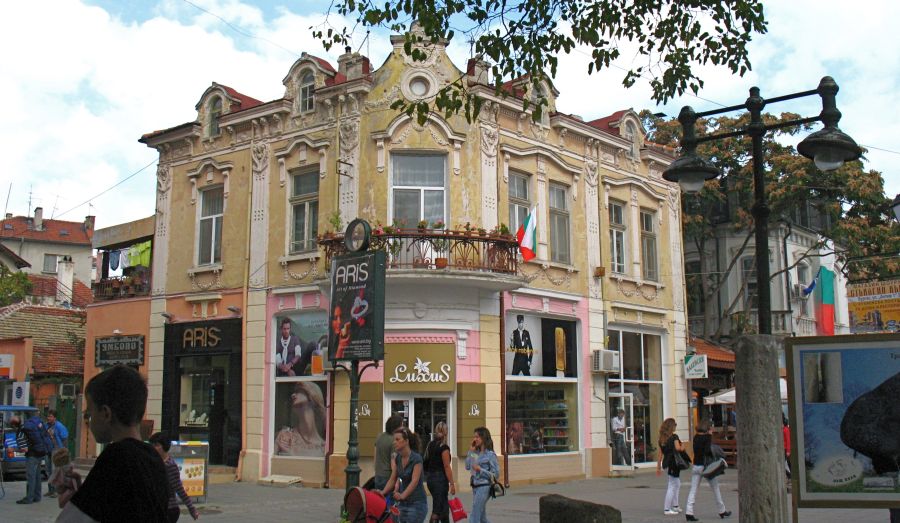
<point x="119" y="350"/>
<point x="357" y="307"/>
<point x="204" y="336"/>
<point x="695" y="367"/>
<point x="420" y="367"/>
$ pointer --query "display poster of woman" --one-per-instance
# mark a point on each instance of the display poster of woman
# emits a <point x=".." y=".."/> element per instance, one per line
<point x="300" y="411"/>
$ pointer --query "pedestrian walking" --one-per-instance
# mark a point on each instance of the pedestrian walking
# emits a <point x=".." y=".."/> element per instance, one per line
<point x="439" y="473"/>
<point x="59" y="437"/>
<point x="384" y="450"/>
<point x="128" y="481"/>
<point x="786" y="435"/>
<point x="481" y="461"/>
<point x="702" y="455"/>
<point x="162" y="444"/>
<point x="33" y="434"/>
<point x="669" y="444"/>
<point x="618" y="437"/>
<point x="407" y="478"/>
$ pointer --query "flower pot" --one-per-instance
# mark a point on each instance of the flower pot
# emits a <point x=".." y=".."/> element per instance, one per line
<point x="441" y="263"/>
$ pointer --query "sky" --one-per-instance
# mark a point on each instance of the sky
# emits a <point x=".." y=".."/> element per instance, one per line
<point x="81" y="81"/>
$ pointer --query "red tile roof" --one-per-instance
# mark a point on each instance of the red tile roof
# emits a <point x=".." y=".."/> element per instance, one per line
<point x="604" y="124"/>
<point x="244" y="101"/>
<point x="52" y="330"/>
<point x="57" y="231"/>
<point x="46" y="286"/>
<point x="17" y="260"/>
<point x="717" y="355"/>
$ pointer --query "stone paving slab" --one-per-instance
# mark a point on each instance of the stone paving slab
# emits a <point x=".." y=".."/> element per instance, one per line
<point x="639" y="498"/>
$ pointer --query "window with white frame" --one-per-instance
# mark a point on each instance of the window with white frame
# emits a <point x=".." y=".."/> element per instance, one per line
<point x="304" y="203"/>
<point x="307" y="92"/>
<point x="803" y="279"/>
<point x="215" y="113"/>
<point x="50" y="262"/>
<point x="748" y="264"/>
<point x="649" y="259"/>
<point x="631" y="133"/>
<point x="419" y="188"/>
<point x="559" y="223"/>
<point x="617" y="229"/>
<point x="212" y="207"/>
<point x="519" y="202"/>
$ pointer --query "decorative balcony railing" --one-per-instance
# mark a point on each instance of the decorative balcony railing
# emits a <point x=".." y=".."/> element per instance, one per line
<point x="438" y="249"/>
<point x="122" y="287"/>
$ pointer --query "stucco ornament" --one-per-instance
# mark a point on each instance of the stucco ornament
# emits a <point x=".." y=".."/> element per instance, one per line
<point x="163" y="180"/>
<point x="260" y="156"/>
<point x="349" y="134"/>
<point x="490" y="137"/>
<point x="590" y="172"/>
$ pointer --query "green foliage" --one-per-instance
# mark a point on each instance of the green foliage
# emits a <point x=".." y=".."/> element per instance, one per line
<point x="14" y="286"/>
<point x="524" y="40"/>
<point x="851" y="199"/>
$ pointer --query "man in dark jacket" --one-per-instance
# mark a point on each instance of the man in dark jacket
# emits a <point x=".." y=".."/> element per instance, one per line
<point x="37" y="440"/>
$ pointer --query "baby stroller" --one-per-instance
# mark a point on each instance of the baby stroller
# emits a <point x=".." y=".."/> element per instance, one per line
<point x="366" y="506"/>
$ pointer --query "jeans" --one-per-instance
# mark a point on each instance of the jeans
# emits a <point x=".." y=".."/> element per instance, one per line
<point x="672" y="489"/>
<point x="696" y="477"/>
<point x="480" y="496"/>
<point x="413" y="511"/>
<point x="33" y="478"/>
<point x="440" y="489"/>
<point x="49" y="464"/>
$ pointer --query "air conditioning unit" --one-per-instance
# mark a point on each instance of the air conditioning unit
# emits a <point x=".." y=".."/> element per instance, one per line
<point x="797" y="290"/>
<point x="67" y="391"/>
<point x="605" y="362"/>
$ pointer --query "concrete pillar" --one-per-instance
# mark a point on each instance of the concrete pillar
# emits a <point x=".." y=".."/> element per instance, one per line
<point x="760" y="447"/>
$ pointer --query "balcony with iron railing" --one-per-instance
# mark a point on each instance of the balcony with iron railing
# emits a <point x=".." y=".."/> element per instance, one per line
<point x="465" y="257"/>
<point x="121" y="287"/>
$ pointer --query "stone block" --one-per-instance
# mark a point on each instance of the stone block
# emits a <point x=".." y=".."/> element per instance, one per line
<point x="559" y="509"/>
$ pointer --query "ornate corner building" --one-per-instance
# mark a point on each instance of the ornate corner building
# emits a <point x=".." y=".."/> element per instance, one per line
<point x="250" y="194"/>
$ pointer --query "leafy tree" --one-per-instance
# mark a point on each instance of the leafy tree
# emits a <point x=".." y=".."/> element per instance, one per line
<point x="523" y="39"/>
<point x="853" y="211"/>
<point x="14" y="286"/>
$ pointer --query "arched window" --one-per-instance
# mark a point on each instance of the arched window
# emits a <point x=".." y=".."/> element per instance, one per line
<point x="215" y="113"/>
<point x="307" y="92"/>
<point x="631" y="133"/>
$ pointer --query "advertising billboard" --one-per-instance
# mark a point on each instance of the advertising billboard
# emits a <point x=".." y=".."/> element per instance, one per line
<point x="874" y="306"/>
<point x="357" y="307"/>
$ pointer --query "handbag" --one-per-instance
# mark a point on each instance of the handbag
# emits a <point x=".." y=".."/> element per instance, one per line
<point x="497" y="489"/>
<point x="681" y="460"/>
<point x="714" y="463"/>
<point x="456" y="509"/>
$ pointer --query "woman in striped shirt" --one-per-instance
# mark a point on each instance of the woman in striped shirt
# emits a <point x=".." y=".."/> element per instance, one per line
<point x="162" y="445"/>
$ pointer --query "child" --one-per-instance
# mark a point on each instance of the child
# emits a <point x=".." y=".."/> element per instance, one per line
<point x="162" y="445"/>
<point x="62" y="479"/>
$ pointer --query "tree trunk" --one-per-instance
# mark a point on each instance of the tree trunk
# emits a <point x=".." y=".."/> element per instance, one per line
<point x="760" y="447"/>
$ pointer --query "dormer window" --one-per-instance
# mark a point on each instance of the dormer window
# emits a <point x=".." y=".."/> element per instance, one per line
<point x="307" y="92"/>
<point x="215" y="113"/>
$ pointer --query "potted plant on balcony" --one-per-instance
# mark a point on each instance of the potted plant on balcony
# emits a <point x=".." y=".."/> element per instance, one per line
<point x="500" y="230"/>
<point x="422" y="225"/>
<point x="440" y="244"/>
<point x="467" y="228"/>
<point x="334" y="219"/>
<point x="482" y="231"/>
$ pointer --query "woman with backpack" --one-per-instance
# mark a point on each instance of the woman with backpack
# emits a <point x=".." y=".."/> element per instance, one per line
<point x="481" y="461"/>
<point x="703" y="455"/>
<point x="439" y="474"/>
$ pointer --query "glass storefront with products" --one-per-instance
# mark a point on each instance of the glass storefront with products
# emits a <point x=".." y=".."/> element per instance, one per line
<point x="541" y="387"/>
<point x="641" y="379"/>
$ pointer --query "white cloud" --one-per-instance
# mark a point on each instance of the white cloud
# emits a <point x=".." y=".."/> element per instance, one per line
<point x="81" y="86"/>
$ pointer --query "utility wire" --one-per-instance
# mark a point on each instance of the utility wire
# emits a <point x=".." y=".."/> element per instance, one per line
<point x="242" y="32"/>
<point x="130" y="176"/>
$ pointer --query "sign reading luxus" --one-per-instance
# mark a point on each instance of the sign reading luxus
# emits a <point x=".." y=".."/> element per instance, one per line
<point x="421" y="373"/>
<point x="695" y="366"/>
<point x="356" y="330"/>
<point x="119" y="350"/>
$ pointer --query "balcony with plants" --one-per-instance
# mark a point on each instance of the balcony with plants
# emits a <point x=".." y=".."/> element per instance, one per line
<point x="486" y="258"/>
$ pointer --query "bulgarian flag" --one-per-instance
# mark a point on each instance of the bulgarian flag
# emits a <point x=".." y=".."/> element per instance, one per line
<point x="825" y="303"/>
<point x="527" y="235"/>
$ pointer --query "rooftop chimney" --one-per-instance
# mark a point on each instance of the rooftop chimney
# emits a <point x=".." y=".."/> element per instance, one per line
<point x="65" y="280"/>
<point x="351" y="64"/>
<point x="8" y="215"/>
<point x="38" y="218"/>
<point x="89" y="223"/>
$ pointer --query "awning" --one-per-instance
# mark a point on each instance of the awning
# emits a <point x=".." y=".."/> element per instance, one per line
<point x="727" y="397"/>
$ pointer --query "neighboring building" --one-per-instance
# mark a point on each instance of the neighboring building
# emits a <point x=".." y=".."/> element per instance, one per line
<point x="43" y="243"/>
<point x="11" y="260"/>
<point x="795" y="312"/>
<point x="248" y="194"/>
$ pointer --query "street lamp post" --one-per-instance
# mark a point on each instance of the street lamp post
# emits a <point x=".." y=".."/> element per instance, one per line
<point x="760" y="453"/>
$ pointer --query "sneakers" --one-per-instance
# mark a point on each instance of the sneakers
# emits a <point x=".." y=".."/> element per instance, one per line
<point x="670" y="512"/>
<point x="50" y="494"/>
<point x="725" y="514"/>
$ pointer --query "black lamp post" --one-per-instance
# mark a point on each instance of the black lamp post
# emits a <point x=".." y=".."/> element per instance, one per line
<point x="829" y="148"/>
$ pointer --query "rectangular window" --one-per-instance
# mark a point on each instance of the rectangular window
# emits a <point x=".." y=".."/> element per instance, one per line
<point x="50" y="262"/>
<point x="306" y="98"/>
<point x="419" y="183"/>
<point x="648" y="246"/>
<point x="212" y="207"/>
<point x="305" y="204"/>
<point x="541" y="417"/>
<point x="750" y="293"/>
<point x="692" y="277"/>
<point x="559" y="224"/>
<point x="803" y="279"/>
<point x="617" y="229"/>
<point x="519" y="202"/>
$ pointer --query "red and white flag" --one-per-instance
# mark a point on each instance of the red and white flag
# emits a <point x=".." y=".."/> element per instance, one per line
<point x="526" y="235"/>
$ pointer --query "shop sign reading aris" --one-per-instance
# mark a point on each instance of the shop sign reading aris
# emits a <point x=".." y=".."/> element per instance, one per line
<point x="356" y="323"/>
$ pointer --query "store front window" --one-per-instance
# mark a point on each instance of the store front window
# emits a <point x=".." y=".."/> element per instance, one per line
<point x="541" y="389"/>
<point x="641" y="381"/>
<point x="301" y="386"/>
